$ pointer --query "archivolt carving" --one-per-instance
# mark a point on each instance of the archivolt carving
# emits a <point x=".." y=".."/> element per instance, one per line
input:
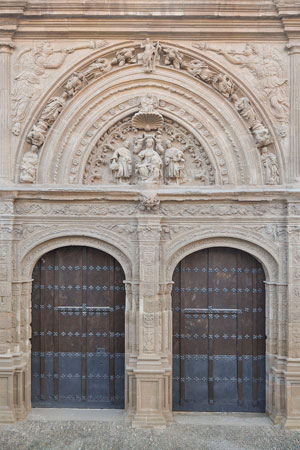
<point x="265" y="63"/>
<point x="198" y="242"/>
<point x="32" y="64"/>
<point x="31" y="254"/>
<point x="153" y="53"/>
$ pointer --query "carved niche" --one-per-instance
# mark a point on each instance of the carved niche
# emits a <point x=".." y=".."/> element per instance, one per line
<point x="148" y="148"/>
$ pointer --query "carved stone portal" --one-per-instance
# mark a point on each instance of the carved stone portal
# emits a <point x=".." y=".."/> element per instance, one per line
<point x="165" y="153"/>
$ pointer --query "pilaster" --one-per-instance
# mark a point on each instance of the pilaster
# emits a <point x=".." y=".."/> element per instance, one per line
<point x="149" y="363"/>
<point x="294" y="98"/>
<point x="6" y="49"/>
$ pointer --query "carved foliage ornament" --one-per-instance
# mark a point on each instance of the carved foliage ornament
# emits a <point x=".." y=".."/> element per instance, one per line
<point x="154" y="53"/>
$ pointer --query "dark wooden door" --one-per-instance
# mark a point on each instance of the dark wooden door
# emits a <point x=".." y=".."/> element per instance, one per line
<point x="219" y="332"/>
<point x="78" y="303"/>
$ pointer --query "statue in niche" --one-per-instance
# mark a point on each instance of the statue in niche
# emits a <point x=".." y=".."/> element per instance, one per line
<point x="174" y="162"/>
<point x="149" y="167"/>
<point x="29" y="165"/>
<point x="151" y="52"/>
<point x="121" y="163"/>
<point x="270" y="166"/>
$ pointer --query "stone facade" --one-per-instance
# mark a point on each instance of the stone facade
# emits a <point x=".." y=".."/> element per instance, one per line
<point x="150" y="131"/>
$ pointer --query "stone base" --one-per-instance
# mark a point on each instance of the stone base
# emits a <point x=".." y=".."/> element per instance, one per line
<point x="7" y="416"/>
<point x="150" y="420"/>
<point x="292" y="423"/>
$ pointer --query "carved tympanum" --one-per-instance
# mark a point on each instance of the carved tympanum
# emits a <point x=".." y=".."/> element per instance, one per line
<point x="168" y="155"/>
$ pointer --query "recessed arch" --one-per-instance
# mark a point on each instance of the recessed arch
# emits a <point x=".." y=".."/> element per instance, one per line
<point x="44" y="245"/>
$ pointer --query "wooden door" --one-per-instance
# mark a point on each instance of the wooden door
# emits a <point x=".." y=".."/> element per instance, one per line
<point x="219" y="332"/>
<point x="78" y="303"/>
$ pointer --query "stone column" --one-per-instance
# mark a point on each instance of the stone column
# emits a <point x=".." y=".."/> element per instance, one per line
<point x="294" y="98"/>
<point x="6" y="49"/>
<point x="149" y="360"/>
<point x="292" y="367"/>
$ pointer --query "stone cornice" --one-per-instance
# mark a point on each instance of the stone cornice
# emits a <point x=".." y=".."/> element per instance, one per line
<point x="144" y="7"/>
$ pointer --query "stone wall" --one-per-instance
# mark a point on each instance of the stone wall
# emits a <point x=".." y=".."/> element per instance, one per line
<point x="150" y="136"/>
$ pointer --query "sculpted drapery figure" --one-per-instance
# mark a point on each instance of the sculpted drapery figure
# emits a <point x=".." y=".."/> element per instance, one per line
<point x="29" y="165"/>
<point x="174" y="161"/>
<point x="270" y="166"/>
<point x="149" y="167"/>
<point x="121" y="163"/>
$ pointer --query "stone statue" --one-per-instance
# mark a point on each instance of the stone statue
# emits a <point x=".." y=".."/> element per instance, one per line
<point x="75" y="83"/>
<point x="270" y="167"/>
<point x="172" y="57"/>
<point x="121" y="163"/>
<point x="53" y="108"/>
<point x="223" y="84"/>
<point x="36" y="136"/>
<point x="149" y="167"/>
<point x="124" y="56"/>
<point x="174" y="162"/>
<point x="151" y="52"/>
<point x="199" y="69"/>
<point x="149" y="103"/>
<point x="29" y="166"/>
<point x="97" y="68"/>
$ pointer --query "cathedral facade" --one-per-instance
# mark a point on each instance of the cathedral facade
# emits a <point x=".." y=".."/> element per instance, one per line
<point x="150" y="207"/>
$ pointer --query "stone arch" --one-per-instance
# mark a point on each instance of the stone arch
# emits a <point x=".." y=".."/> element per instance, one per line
<point x="263" y="255"/>
<point x="174" y="76"/>
<point x="30" y="258"/>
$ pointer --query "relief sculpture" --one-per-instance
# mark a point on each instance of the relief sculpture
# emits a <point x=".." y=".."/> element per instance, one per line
<point x="164" y="153"/>
<point x="33" y="65"/>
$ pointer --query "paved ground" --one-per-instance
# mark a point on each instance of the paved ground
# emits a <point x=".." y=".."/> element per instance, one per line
<point x="106" y="430"/>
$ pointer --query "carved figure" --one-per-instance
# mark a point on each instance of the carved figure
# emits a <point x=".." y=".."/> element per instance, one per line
<point x="265" y="63"/>
<point x="174" y="161"/>
<point x="53" y="108"/>
<point x="121" y="163"/>
<point x="75" y="83"/>
<point x="270" y="167"/>
<point x="149" y="168"/>
<point x="37" y="134"/>
<point x="147" y="118"/>
<point x="34" y="64"/>
<point x="151" y="52"/>
<point x="149" y="103"/>
<point x="125" y="56"/>
<point x="245" y="109"/>
<point x="149" y="201"/>
<point x="29" y="166"/>
<point x="223" y="84"/>
<point x="199" y="69"/>
<point x="172" y="57"/>
<point x="261" y="135"/>
<point x="98" y="67"/>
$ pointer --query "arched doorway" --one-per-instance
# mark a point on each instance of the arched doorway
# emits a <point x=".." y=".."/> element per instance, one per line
<point x="219" y="332"/>
<point x="78" y="303"/>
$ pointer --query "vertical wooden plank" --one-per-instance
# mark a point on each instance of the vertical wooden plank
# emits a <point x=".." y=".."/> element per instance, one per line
<point x="210" y="340"/>
<point x="56" y="327"/>
<point x="112" y="328"/>
<point x="239" y="329"/>
<point x="84" y="340"/>
<point x="254" y="339"/>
